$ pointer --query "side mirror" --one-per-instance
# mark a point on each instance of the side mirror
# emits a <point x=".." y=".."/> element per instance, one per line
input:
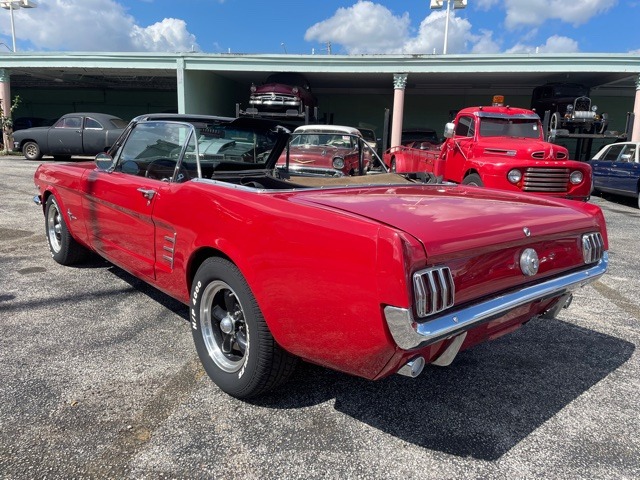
<point x="104" y="162"/>
<point x="625" y="157"/>
<point x="449" y="129"/>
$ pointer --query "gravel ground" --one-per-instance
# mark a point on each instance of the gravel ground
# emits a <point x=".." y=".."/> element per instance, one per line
<point x="100" y="379"/>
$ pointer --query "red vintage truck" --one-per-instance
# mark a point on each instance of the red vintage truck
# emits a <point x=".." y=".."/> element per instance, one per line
<point x="498" y="147"/>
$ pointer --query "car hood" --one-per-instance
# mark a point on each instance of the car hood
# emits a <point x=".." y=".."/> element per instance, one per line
<point x="25" y="132"/>
<point x="520" y="148"/>
<point x="276" y="88"/>
<point x="314" y="155"/>
<point x="450" y="219"/>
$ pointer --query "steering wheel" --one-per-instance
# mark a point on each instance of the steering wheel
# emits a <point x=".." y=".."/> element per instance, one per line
<point x="163" y="168"/>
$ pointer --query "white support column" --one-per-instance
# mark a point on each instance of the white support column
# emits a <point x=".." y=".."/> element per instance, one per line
<point x="399" y="84"/>
<point x="5" y="101"/>
<point x="635" y="135"/>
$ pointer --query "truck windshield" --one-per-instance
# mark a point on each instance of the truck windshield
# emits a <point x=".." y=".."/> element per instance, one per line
<point x="505" y="127"/>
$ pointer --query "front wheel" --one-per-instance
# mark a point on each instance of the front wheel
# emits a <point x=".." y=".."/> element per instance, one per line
<point x="473" y="179"/>
<point x="31" y="151"/>
<point x="63" y="247"/>
<point x="231" y="336"/>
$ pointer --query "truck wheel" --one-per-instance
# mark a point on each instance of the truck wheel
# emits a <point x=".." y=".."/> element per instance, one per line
<point x="473" y="179"/>
<point x="64" y="249"/>
<point x="393" y="164"/>
<point x="31" y="151"/>
<point x="555" y="121"/>
<point x="231" y="336"/>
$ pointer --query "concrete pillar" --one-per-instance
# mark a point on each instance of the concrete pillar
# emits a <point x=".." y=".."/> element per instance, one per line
<point x="399" y="84"/>
<point x="635" y="133"/>
<point x="5" y="101"/>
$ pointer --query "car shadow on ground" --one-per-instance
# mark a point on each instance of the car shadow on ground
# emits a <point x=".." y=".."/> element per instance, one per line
<point x="491" y="398"/>
<point x="485" y="403"/>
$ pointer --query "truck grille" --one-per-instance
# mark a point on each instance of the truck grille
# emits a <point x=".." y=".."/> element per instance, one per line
<point x="545" y="179"/>
<point x="434" y="290"/>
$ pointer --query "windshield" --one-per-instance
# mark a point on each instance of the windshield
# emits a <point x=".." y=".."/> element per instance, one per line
<point x="570" y="91"/>
<point x="324" y="139"/>
<point x="506" y="127"/>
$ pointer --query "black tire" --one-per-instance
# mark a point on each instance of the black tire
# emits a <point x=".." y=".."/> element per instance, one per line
<point x="555" y="121"/>
<point x="63" y="247"/>
<point x="31" y="151"/>
<point x="473" y="179"/>
<point x="231" y="336"/>
<point x="393" y="165"/>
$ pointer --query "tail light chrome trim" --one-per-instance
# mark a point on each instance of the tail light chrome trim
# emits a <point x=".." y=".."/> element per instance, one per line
<point x="592" y="247"/>
<point x="434" y="290"/>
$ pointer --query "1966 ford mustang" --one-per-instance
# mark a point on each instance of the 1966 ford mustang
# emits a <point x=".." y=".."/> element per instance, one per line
<point x="372" y="274"/>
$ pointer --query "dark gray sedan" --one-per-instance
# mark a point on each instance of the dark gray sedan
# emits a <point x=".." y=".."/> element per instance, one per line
<point x="72" y="134"/>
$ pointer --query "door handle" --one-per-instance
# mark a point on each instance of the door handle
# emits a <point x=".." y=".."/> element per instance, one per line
<point x="147" y="193"/>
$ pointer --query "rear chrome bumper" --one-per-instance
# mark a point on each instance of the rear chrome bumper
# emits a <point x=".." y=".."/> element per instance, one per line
<point x="409" y="334"/>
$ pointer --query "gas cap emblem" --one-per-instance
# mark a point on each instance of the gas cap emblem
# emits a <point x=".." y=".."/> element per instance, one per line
<point x="529" y="262"/>
<point x="527" y="232"/>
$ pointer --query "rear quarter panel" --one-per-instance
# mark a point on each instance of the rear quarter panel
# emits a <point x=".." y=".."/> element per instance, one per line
<point x="313" y="271"/>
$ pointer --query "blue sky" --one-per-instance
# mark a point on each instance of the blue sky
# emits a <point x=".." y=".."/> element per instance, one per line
<point x="305" y="27"/>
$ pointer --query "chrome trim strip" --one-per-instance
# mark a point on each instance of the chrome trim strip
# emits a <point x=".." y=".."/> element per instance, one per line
<point x="409" y="334"/>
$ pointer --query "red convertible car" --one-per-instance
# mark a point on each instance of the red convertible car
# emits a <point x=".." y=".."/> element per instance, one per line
<point x="371" y="275"/>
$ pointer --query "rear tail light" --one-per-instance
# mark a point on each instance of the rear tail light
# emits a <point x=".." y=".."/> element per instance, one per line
<point x="592" y="247"/>
<point x="434" y="290"/>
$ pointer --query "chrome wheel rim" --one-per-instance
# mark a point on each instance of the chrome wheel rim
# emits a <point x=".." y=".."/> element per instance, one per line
<point x="54" y="227"/>
<point x="31" y="150"/>
<point x="224" y="330"/>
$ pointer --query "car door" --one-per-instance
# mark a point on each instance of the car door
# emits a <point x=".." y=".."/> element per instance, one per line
<point x="65" y="137"/>
<point x="625" y="171"/>
<point x="459" y="148"/>
<point x="601" y="167"/>
<point x="119" y="203"/>
<point x="93" y="136"/>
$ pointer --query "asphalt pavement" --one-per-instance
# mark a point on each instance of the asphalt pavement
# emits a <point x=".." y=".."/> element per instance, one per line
<point x="100" y="379"/>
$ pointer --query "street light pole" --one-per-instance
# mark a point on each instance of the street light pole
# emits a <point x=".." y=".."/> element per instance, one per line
<point x="437" y="5"/>
<point x="11" y="5"/>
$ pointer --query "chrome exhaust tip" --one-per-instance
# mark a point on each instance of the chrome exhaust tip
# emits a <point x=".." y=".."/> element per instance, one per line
<point x="413" y="367"/>
<point x="562" y="303"/>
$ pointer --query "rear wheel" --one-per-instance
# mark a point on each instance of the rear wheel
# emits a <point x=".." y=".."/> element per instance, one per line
<point x="64" y="249"/>
<point x="31" y="151"/>
<point x="473" y="179"/>
<point x="231" y="336"/>
<point x="393" y="165"/>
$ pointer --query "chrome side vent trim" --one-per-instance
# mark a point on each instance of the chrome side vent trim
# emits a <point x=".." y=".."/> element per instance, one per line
<point x="434" y="290"/>
<point x="592" y="247"/>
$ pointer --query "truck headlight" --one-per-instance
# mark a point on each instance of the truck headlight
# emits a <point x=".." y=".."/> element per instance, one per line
<point x="338" y="163"/>
<point x="576" y="177"/>
<point x="569" y="108"/>
<point x="252" y="88"/>
<point x="514" y="176"/>
<point x="594" y="108"/>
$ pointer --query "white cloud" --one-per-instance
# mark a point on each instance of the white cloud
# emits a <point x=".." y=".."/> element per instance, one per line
<point x="554" y="44"/>
<point x="365" y="27"/>
<point x="536" y="12"/>
<point x="98" y="25"/>
<point x="430" y="36"/>
<point x="485" y="43"/>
